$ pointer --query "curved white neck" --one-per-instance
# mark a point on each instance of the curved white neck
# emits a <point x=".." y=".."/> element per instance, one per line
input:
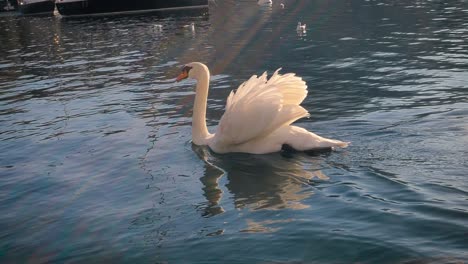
<point x="200" y="132"/>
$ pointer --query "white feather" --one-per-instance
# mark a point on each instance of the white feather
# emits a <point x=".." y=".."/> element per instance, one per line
<point x="269" y="104"/>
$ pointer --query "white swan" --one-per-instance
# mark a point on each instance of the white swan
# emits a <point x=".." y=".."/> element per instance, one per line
<point x="258" y="115"/>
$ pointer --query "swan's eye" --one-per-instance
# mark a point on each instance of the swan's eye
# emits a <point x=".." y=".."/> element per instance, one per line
<point x="186" y="69"/>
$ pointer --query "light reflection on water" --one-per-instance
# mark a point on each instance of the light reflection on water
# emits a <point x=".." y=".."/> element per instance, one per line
<point x="97" y="164"/>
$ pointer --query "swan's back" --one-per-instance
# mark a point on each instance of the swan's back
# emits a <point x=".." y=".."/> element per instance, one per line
<point x="260" y="106"/>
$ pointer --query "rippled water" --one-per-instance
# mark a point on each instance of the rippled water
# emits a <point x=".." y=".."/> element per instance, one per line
<point x="97" y="165"/>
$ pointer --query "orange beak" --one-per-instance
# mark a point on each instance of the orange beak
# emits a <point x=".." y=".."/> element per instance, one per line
<point x="182" y="75"/>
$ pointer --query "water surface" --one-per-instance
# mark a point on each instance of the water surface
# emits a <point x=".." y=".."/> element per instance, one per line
<point x="96" y="162"/>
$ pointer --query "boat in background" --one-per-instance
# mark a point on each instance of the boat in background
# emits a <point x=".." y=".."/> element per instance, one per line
<point x="96" y="7"/>
<point x="6" y="5"/>
<point x="29" y="7"/>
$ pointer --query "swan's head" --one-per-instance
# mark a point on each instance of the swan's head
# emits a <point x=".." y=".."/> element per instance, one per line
<point x="193" y="70"/>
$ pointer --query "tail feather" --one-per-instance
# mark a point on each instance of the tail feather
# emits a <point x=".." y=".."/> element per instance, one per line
<point x="342" y="144"/>
<point x="326" y="142"/>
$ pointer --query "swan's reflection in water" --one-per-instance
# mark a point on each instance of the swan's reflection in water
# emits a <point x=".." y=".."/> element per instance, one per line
<point x="265" y="226"/>
<point x="271" y="182"/>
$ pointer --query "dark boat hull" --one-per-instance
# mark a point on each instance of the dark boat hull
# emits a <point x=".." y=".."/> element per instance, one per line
<point x="90" y="7"/>
<point x="43" y="7"/>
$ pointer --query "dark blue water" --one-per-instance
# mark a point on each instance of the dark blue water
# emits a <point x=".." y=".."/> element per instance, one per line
<point x="97" y="166"/>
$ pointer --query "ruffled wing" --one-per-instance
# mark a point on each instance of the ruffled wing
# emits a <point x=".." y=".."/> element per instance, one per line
<point x="260" y="106"/>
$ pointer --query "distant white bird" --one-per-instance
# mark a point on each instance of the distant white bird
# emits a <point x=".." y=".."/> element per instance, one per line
<point x="301" y="27"/>
<point x="265" y="2"/>
<point x="191" y="27"/>
<point x="158" y="27"/>
<point x="282" y="6"/>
